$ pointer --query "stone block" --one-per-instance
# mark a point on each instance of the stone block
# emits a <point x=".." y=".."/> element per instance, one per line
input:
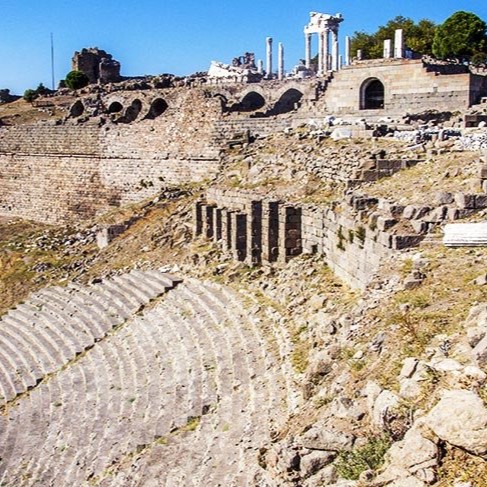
<point x="400" y="242"/>
<point x="464" y="201"/>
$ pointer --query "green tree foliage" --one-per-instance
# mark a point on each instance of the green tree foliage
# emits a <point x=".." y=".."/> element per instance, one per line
<point x="30" y="95"/>
<point x="460" y="37"/>
<point x="76" y="80"/>
<point x="419" y="37"/>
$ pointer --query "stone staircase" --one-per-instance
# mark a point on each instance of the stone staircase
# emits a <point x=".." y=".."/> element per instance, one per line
<point x="100" y="390"/>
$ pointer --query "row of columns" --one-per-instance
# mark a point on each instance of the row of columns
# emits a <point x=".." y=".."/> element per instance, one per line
<point x="280" y="59"/>
<point x="266" y="232"/>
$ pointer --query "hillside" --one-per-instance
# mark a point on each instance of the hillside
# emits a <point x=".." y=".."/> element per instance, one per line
<point x="250" y="375"/>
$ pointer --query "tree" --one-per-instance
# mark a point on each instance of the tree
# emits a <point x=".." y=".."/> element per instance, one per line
<point x="76" y="80"/>
<point x="461" y="36"/>
<point x="30" y="95"/>
<point x="419" y="37"/>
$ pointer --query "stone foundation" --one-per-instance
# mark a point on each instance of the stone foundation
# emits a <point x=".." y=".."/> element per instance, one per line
<point x="259" y="231"/>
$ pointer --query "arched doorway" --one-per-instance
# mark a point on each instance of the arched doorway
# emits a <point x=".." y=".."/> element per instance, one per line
<point x="157" y="108"/>
<point x="288" y="102"/>
<point x="251" y="102"/>
<point x="372" y="95"/>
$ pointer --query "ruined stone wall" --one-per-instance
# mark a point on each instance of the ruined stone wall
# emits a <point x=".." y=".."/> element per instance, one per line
<point x="54" y="173"/>
<point x="409" y="87"/>
<point x="352" y="248"/>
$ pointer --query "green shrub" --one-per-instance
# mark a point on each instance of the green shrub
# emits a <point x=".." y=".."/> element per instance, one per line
<point x="30" y="95"/>
<point x="369" y="457"/>
<point x="76" y="80"/>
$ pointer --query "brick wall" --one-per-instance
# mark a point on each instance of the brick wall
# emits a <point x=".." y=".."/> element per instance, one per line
<point x="55" y="173"/>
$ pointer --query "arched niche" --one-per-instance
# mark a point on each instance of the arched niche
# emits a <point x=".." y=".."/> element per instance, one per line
<point x="372" y="94"/>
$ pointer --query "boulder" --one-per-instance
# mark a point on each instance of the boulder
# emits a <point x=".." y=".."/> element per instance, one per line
<point x="460" y="418"/>
<point x="328" y="438"/>
<point x="386" y="401"/>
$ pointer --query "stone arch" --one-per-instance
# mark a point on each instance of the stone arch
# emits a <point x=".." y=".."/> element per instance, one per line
<point x="251" y="102"/>
<point x="157" y="108"/>
<point x="287" y="102"/>
<point x="132" y="112"/>
<point x="372" y="94"/>
<point x="115" y="107"/>
<point x="77" y="109"/>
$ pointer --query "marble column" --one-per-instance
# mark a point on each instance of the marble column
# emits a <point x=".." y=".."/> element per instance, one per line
<point x="387" y="49"/>
<point x="336" y="58"/>
<point x="321" y="51"/>
<point x="399" y="44"/>
<point x="347" y="51"/>
<point x="269" y="58"/>
<point x="308" y="50"/>
<point x="326" y="50"/>
<point x="260" y="66"/>
<point x="280" y="62"/>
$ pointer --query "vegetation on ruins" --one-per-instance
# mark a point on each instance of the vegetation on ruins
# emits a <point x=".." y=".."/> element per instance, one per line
<point x="419" y="37"/>
<point x="76" y="80"/>
<point x="30" y="95"/>
<point x="462" y="37"/>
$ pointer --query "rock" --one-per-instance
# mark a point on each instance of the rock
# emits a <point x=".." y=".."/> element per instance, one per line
<point x="445" y="365"/>
<point x="480" y="353"/>
<point x="481" y="280"/>
<point x="409" y="367"/>
<point x="460" y="418"/>
<point x="328" y="438"/>
<point x="315" y="461"/>
<point x="444" y="198"/>
<point x="386" y="401"/>
<point x="326" y="476"/>
<point x="317" y="302"/>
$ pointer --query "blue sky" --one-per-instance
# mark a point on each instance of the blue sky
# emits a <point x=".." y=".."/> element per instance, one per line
<point x="178" y="36"/>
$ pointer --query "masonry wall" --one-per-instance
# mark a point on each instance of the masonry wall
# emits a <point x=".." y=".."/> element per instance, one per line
<point x="55" y="173"/>
<point x="409" y="87"/>
<point x="353" y="249"/>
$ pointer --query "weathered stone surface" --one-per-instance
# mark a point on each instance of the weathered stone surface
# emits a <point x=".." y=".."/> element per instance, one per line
<point x="386" y="401"/>
<point x="324" y="437"/>
<point x="460" y="418"/>
<point x="315" y="461"/>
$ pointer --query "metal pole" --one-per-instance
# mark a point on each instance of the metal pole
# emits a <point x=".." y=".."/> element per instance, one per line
<point x="52" y="62"/>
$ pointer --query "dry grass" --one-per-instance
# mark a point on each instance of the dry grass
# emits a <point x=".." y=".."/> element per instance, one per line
<point x="451" y="172"/>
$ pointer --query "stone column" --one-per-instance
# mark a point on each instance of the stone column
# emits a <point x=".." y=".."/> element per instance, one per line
<point x="308" y="50"/>
<point x="260" y="66"/>
<point x="326" y="51"/>
<point x="208" y="220"/>
<point x="217" y="233"/>
<point x="290" y="243"/>
<point x="280" y="59"/>
<point x="347" y="51"/>
<point x="226" y="229"/>
<point x="270" y="231"/>
<point x="399" y="44"/>
<point x="387" y="49"/>
<point x="336" y="60"/>
<point x="254" y="233"/>
<point x="321" y="52"/>
<point x="269" y="58"/>
<point x="359" y="54"/>
<point x="197" y="219"/>
<point x="239" y="236"/>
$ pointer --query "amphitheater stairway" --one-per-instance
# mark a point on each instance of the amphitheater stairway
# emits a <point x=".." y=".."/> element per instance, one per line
<point x="107" y="385"/>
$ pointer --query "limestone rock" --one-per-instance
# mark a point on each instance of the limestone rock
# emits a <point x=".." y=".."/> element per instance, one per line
<point x="460" y="418"/>
<point x="328" y="438"/>
<point x="386" y="401"/>
<point x="315" y="461"/>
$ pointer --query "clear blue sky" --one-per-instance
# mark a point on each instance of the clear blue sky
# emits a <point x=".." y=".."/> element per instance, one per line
<point x="178" y="36"/>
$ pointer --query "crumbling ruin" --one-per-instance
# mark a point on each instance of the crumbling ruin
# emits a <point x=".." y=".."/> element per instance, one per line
<point x="98" y="65"/>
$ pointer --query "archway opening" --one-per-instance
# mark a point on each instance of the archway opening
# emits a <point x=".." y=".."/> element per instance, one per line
<point x="115" y="107"/>
<point x="132" y="112"/>
<point x="251" y="102"/>
<point x="77" y="109"/>
<point x="372" y="95"/>
<point x="157" y="108"/>
<point x="288" y="102"/>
